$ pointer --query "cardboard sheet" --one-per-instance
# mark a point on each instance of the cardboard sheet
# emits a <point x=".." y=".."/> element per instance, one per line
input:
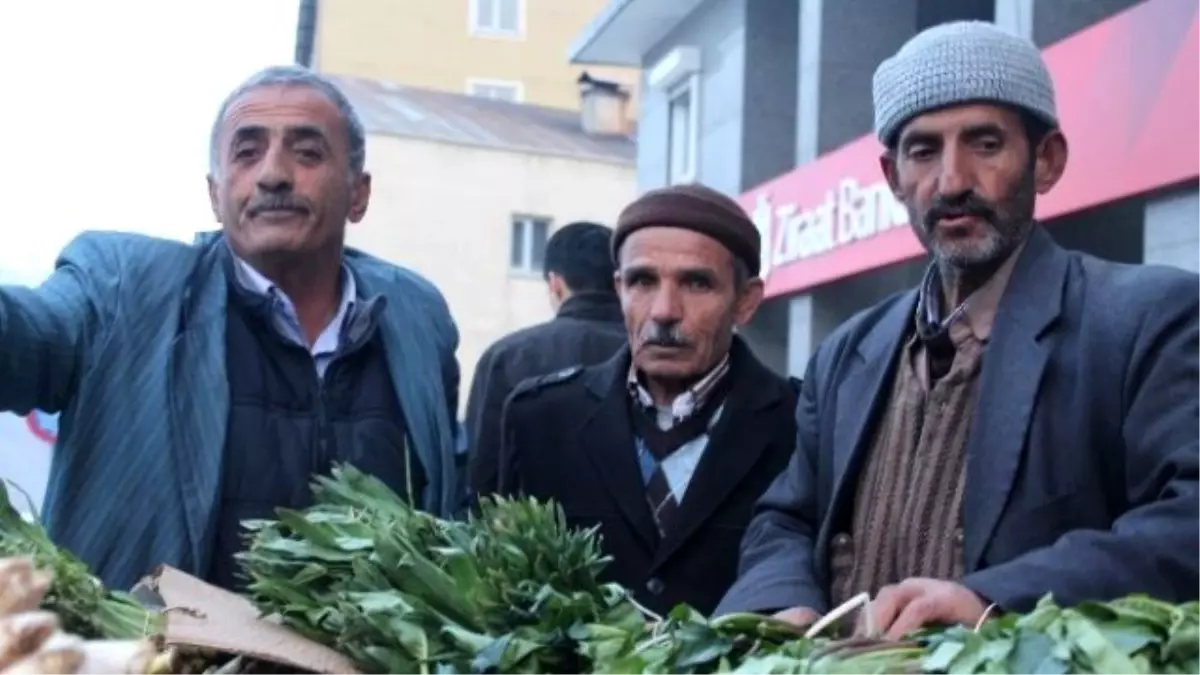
<point x="201" y="615"/>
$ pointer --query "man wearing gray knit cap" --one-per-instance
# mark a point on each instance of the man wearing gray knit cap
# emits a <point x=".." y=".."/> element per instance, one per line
<point x="1023" y="422"/>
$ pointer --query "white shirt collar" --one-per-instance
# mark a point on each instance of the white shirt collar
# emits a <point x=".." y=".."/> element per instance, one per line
<point x="285" y="312"/>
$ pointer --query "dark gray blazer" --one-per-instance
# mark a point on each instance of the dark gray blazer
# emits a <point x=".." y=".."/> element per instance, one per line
<point x="1082" y="458"/>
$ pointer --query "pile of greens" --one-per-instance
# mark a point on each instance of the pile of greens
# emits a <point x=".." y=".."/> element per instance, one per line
<point x="397" y="590"/>
<point x="515" y="590"/>
<point x="83" y="606"/>
<point x="1130" y="635"/>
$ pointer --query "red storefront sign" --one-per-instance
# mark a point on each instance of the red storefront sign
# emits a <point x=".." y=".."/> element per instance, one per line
<point x="1128" y="101"/>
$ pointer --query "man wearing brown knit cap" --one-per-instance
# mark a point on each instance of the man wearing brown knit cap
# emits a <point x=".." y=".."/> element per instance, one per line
<point x="666" y="446"/>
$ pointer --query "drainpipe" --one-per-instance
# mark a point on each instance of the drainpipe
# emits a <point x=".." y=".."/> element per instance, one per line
<point x="306" y="32"/>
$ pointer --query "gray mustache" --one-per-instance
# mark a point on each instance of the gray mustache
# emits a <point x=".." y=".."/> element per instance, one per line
<point x="277" y="203"/>
<point x="659" y="335"/>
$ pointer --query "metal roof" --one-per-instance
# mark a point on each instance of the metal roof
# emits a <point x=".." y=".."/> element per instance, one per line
<point x="399" y="110"/>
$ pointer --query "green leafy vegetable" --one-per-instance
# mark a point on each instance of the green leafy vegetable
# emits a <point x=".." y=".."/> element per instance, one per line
<point x="82" y="604"/>
<point x="515" y="590"/>
<point x="511" y="590"/>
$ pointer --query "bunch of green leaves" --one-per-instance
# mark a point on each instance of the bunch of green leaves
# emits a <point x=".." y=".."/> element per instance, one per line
<point x="82" y="604"/>
<point x="513" y="589"/>
<point x="1131" y="635"/>
<point x="398" y="590"/>
<point x="685" y="642"/>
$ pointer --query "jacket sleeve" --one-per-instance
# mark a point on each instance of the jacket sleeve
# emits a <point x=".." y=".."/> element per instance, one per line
<point x="485" y="406"/>
<point x="777" y="567"/>
<point x="45" y="331"/>
<point x="1152" y="547"/>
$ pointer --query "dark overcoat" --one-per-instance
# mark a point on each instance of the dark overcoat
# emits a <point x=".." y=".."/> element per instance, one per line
<point x="1082" y="455"/>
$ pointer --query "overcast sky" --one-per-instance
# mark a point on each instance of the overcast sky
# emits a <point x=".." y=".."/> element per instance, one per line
<point x="106" y="111"/>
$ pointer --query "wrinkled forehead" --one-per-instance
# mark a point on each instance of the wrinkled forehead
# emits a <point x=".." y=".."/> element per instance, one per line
<point x="667" y="249"/>
<point x="962" y="119"/>
<point x="281" y="108"/>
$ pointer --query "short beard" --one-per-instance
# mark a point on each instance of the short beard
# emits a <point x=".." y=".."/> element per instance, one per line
<point x="1008" y="224"/>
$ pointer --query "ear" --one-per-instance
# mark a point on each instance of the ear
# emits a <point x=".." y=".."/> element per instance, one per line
<point x="214" y="199"/>
<point x="556" y="284"/>
<point x="360" y="197"/>
<point x="887" y="164"/>
<point x="748" y="301"/>
<point x="1050" y="161"/>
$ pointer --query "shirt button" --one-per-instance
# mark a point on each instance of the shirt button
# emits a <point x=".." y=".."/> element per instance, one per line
<point x="655" y="586"/>
<point x="842" y="539"/>
<point x="958" y="536"/>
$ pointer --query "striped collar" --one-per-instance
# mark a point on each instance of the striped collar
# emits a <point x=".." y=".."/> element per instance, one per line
<point x="687" y="402"/>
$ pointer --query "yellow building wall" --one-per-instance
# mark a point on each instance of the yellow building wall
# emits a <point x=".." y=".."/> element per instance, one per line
<point x="445" y="211"/>
<point x="429" y="44"/>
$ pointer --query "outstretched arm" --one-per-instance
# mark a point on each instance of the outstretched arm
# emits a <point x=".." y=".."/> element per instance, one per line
<point x="45" y="331"/>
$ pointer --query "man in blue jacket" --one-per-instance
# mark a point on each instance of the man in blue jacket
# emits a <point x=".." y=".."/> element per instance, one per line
<point x="202" y="385"/>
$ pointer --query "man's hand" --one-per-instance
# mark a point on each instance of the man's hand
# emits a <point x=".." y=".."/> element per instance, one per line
<point x="799" y="617"/>
<point x="914" y="603"/>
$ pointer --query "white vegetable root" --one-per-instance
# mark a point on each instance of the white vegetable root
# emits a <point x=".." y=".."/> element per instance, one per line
<point x="31" y="641"/>
<point x="24" y="634"/>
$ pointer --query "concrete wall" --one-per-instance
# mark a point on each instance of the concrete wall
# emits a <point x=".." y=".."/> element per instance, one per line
<point x="1172" y="234"/>
<point x="1053" y="21"/>
<point x="428" y="43"/>
<point x="445" y="211"/>
<point x="717" y="29"/>
<point x="747" y="95"/>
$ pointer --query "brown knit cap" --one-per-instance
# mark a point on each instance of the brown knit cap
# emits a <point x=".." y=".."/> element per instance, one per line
<point x="693" y="207"/>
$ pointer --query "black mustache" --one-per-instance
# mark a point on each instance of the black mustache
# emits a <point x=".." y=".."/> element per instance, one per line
<point x="969" y="204"/>
<point x="277" y="203"/>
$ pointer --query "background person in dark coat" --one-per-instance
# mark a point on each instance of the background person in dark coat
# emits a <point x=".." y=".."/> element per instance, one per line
<point x="587" y="329"/>
<point x="667" y="445"/>
<point x="1041" y="437"/>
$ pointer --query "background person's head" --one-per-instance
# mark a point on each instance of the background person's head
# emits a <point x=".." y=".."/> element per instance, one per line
<point x="578" y="260"/>
<point x="286" y="167"/>
<point x="687" y="273"/>
<point x="967" y="113"/>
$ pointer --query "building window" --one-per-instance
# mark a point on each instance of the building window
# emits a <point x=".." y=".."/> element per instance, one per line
<point x="527" y="251"/>
<point x="498" y="90"/>
<point x="682" y="132"/>
<point x="497" y="17"/>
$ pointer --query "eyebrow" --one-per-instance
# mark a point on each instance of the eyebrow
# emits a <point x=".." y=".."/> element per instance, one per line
<point x="638" y="271"/>
<point x="971" y="132"/>
<point x="705" y="273"/>
<point x="299" y="132"/>
<point x="983" y="129"/>
<point x="682" y="273"/>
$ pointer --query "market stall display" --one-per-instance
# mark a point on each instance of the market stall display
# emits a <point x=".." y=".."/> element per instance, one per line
<point x="362" y="581"/>
<point x="514" y="590"/>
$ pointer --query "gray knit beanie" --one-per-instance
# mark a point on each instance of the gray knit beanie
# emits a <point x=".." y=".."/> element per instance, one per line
<point x="960" y="62"/>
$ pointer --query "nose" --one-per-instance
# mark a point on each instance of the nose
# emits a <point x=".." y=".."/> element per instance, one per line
<point x="666" y="309"/>
<point x="275" y="172"/>
<point x="955" y="178"/>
